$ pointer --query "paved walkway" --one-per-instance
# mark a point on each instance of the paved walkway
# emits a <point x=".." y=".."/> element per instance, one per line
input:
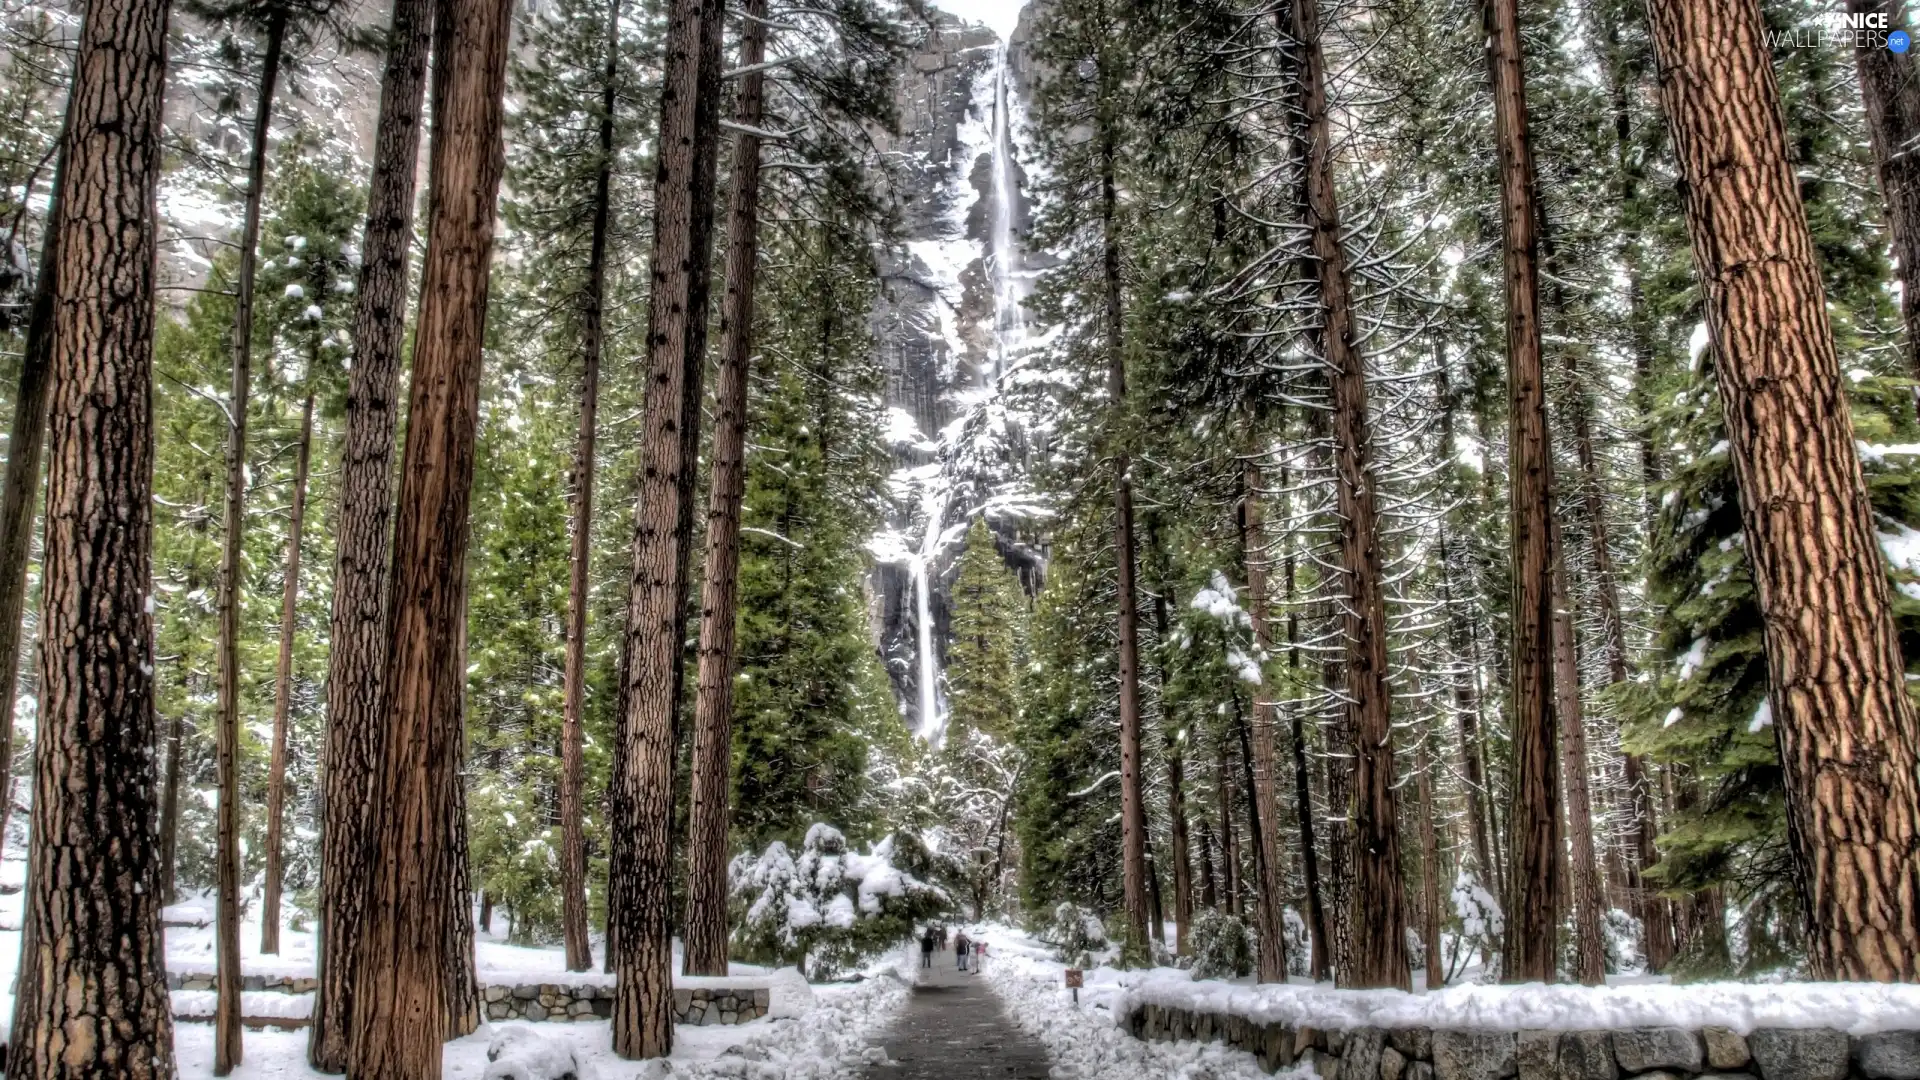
<point x="954" y="1028"/>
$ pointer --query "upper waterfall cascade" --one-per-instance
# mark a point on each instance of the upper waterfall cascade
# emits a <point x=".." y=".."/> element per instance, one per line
<point x="955" y="332"/>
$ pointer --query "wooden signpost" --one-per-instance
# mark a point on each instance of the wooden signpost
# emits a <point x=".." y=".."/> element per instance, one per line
<point x="1075" y="979"/>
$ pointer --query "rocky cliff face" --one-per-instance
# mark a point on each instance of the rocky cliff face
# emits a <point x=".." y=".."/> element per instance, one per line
<point x="952" y="335"/>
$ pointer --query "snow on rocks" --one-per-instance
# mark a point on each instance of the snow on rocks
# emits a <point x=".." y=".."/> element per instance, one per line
<point x="517" y="1052"/>
<point x="831" y="1041"/>
<point x="1086" y="1041"/>
<point x="1853" y="1008"/>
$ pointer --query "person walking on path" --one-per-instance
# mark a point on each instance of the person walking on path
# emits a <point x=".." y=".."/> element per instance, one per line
<point x="960" y="951"/>
<point x="926" y="948"/>
<point x="979" y="957"/>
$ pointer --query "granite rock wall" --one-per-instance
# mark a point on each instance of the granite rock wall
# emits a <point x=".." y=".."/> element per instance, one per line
<point x="1631" y="1054"/>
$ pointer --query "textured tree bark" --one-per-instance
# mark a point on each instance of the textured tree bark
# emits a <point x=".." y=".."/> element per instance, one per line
<point x="91" y="996"/>
<point x="1182" y="848"/>
<point x="1376" y="913"/>
<point x="20" y="487"/>
<point x="709" y="812"/>
<point x="1133" y="820"/>
<point x="226" y="1014"/>
<point x="1533" y="905"/>
<point x="1320" y="965"/>
<point x="1466" y="697"/>
<point x="1590" y="952"/>
<point x="1229" y="844"/>
<point x="357" y="628"/>
<point x="1429" y="870"/>
<point x="170" y="807"/>
<point x="410" y="980"/>
<point x="1656" y="925"/>
<point x="1892" y="98"/>
<point x="283" y="686"/>
<point x="1270" y="915"/>
<point x="573" y="856"/>
<point x="1841" y="714"/>
<point x="641" y="876"/>
<point x="1209" y="894"/>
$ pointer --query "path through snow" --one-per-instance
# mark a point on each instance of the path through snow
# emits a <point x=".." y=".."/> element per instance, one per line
<point x="953" y="1028"/>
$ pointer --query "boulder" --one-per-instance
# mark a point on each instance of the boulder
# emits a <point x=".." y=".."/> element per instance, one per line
<point x="1415" y="1043"/>
<point x="1537" y="1055"/>
<point x="1726" y="1049"/>
<point x="1890" y="1055"/>
<point x="1640" y="1050"/>
<point x="1800" y="1053"/>
<point x="1474" y="1055"/>
<point x="1393" y="1064"/>
<point x="1361" y="1059"/>
<point x="1586" y="1055"/>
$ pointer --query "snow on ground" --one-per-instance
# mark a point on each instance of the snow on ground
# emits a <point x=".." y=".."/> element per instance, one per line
<point x="832" y="1040"/>
<point x="1033" y="980"/>
<point x="1086" y="1041"/>
<point x="190" y="951"/>
<point x="1856" y="1008"/>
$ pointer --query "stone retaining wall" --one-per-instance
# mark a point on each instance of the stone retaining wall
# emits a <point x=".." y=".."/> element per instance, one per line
<point x="203" y="980"/>
<point x="1641" y="1053"/>
<point x="702" y="1007"/>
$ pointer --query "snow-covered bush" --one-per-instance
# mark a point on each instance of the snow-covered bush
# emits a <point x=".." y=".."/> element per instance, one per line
<point x="1481" y="922"/>
<point x="517" y="1052"/>
<point x="1223" y="946"/>
<point x="832" y="908"/>
<point x="1076" y="934"/>
<point x="1623" y="935"/>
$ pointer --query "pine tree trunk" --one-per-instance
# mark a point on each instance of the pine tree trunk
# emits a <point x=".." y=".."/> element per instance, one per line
<point x="1656" y="925"/>
<point x="1173" y="747"/>
<point x="1891" y="94"/>
<point x="1638" y="841"/>
<point x="1156" y="914"/>
<point x="170" y="808"/>
<point x="1209" y="894"/>
<point x="1270" y="917"/>
<point x="1429" y="870"/>
<point x="20" y="486"/>
<point x="357" y="629"/>
<point x="91" y="992"/>
<point x="1533" y="906"/>
<point x="1377" y="917"/>
<point x="1320" y="964"/>
<point x="1337" y="781"/>
<point x="283" y="687"/>
<point x="1133" y="843"/>
<point x="410" y="983"/>
<point x="642" y="866"/>
<point x="1841" y="713"/>
<point x="226" y="1015"/>
<point x="1229" y="844"/>
<point x="573" y="857"/>
<point x="1182" y="848"/>
<point x="1590" y="953"/>
<point x="709" y="813"/>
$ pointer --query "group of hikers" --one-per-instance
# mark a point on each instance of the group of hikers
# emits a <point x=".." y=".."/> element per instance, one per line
<point x="965" y="949"/>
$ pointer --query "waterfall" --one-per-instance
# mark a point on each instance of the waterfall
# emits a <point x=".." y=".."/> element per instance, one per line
<point x="1009" y="287"/>
<point x="932" y="723"/>
<point x="1001" y="258"/>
